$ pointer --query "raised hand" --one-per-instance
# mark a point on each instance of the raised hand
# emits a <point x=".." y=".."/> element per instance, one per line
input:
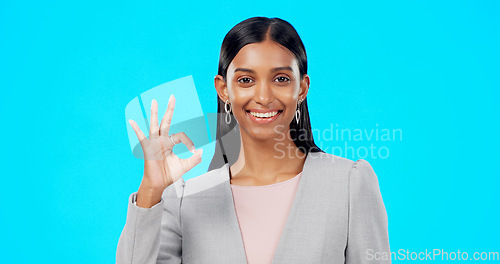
<point x="161" y="166"/>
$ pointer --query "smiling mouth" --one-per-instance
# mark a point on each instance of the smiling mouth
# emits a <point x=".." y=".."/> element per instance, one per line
<point x="269" y="114"/>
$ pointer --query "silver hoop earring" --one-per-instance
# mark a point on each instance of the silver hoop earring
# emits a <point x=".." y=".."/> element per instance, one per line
<point x="228" y="116"/>
<point x="297" y="113"/>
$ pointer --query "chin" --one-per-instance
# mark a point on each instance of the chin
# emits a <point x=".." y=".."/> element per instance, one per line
<point x="268" y="133"/>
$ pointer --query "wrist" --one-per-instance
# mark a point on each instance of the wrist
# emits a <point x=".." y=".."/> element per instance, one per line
<point x="148" y="197"/>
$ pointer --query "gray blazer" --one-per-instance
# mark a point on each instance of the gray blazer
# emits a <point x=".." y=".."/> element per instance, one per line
<point x="337" y="216"/>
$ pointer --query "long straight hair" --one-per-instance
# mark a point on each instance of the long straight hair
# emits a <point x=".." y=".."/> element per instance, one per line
<point x="254" y="30"/>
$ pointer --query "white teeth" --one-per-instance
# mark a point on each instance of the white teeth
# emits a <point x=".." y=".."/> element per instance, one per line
<point x="265" y="115"/>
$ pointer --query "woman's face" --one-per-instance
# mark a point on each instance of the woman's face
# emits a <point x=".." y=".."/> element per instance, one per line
<point x="263" y="87"/>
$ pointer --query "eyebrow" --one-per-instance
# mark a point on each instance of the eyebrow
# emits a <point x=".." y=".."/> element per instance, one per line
<point x="273" y="70"/>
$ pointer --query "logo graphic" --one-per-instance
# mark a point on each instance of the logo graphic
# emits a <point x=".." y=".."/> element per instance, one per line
<point x="188" y="117"/>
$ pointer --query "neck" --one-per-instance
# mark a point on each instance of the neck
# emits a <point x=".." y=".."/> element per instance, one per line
<point x="267" y="160"/>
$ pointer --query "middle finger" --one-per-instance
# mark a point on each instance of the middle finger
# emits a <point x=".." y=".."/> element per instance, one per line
<point x="153" y="129"/>
<point x="167" y="118"/>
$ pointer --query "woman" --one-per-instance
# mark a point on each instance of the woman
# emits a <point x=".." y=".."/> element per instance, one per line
<point x="283" y="200"/>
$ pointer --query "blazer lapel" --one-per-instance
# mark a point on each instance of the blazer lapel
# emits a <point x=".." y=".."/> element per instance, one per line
<point x="309" y="223"/>
<point x="232" y="229"/>
<point x="292" y="234"/>
<point x="296" y="217"/>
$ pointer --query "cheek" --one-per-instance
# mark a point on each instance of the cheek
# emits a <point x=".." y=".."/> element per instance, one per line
<point x="238" y="100"/>
<point x="288" y="98"/>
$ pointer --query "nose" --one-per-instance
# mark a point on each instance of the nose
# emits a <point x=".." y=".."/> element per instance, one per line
<point x="263" y="94"/>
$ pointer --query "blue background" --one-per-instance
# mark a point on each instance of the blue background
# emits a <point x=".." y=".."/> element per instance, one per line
<point x="69" y="68"/>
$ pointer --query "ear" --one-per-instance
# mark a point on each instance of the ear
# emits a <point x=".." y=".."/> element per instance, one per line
<point x="221" y="87"/>
<point x="304" y="87"/>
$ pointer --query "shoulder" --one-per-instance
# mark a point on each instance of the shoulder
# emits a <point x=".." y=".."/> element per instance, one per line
<point x="363" y="182"/>
<point x="358" y="168"/>
<point x="359" y="173"/>
<point x="327" y="161"/>
<point x="359" y="165"/>
<point x="362" y="173"/>
<point x="206" y="181"/>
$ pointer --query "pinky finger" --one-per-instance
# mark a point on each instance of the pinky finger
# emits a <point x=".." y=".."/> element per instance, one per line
<point x="137" y="130"/>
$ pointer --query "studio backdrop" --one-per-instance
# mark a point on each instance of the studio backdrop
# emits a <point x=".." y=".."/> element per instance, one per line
<point x="411" y="87"/>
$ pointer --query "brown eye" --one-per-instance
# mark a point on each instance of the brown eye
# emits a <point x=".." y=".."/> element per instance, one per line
<point x="244" y="80"/>
<point x="283" y="79"/>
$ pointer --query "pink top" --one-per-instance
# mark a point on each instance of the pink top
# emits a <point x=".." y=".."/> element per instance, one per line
<point x="262" y="212"/>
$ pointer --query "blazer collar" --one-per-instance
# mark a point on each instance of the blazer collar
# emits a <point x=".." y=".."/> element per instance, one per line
<point x="296" y="216"/>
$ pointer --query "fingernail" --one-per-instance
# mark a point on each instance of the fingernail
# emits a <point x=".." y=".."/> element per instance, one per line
<point x="192" y="150"/>
<point x="170" y="98"/>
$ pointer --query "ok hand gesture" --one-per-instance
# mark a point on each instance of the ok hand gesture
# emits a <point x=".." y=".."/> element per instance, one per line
<point x="161" y="166"/>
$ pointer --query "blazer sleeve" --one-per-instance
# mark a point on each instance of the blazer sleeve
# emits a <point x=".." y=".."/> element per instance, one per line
<point x="368" y="237"/>
<point x="152" y="235"/>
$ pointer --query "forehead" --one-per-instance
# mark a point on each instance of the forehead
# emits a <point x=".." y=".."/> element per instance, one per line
<point x="266" y="54"/>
